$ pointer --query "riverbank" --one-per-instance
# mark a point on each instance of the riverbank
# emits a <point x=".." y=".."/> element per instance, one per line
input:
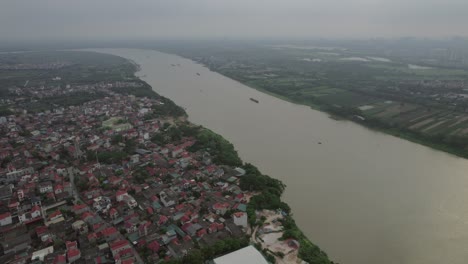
<point x="270" y="190"/>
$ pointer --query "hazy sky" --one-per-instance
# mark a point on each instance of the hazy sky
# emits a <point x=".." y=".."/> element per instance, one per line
<point x="130" y="19"/>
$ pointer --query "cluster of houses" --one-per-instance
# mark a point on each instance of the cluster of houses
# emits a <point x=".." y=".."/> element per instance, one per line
<point x="48" y="90"/>
<point x="60" y="204"/>
<point x="33" y="66"/>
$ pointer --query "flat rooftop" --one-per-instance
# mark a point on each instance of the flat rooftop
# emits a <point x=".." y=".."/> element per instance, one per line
<point x="247" y="255"/>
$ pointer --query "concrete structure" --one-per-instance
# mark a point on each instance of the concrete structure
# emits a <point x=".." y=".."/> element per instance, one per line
<point x="247" y="255"/>
<point x="13" y="175"/>
<point x="41" y="254"/>
<point x="240" y="219"/>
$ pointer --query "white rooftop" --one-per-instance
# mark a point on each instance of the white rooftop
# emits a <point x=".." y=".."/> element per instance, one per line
<point x="247" y="255"/>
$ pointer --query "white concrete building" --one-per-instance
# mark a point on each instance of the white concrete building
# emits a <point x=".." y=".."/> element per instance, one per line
<point x="247" y="255"/>
<point x="240" y="219"/>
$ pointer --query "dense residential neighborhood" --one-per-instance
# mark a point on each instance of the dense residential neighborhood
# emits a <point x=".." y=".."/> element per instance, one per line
<point x="156" y="199"/>
<point x="107" y="171"/>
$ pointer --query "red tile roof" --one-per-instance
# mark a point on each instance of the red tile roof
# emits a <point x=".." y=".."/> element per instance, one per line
<point x="5" y="215"/>
<point x="60" y="259"/>
<point x="109" y="231"/>
<point x="72" y="253"/>
<point x="118" y="244"/>
<point x="79" y="207"/>
<point x="71" y="245"/>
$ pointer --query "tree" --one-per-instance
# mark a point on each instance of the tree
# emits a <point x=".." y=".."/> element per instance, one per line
<point x="208" y="252"/>
<point x="219" y="247"/>
<point x="194" y="257"/>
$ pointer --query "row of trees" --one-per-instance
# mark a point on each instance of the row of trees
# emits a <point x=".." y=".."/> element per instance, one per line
<point x="220" y="149"/>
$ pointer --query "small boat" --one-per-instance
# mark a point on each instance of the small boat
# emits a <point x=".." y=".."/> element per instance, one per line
<point x="198" y="74"/>
<point x="173" y="65"/>
<point x="254" y="100"/>
<point x="320" y="143"/>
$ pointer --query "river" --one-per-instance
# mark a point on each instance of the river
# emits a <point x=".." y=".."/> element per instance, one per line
<point x="362" y="196"/>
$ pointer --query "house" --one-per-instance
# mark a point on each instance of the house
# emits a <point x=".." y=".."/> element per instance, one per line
<point x="167" y="198"/>
<point x="45" y="187"/>
<point x="14" y="174"/>
<point x="42" y="232"/>
<point x="35" y="211"/>
<point x="150" y="210"/>
<point x="26" y="217"/>
<point x="214" y="227"/>
<point x="240" y="219"/>
<point x="119" y="196"/>
<point x="92" y="237"/>
<point x="114" y="180"/>
<point x="55" y="215"/>
<point x="87" y="217"/>
<point x="191" y="229"/>
<point x="80" y="209"/>
<point x="35" y="200"/>
<point x="5" y="219"/>
<point x="177" y="151"/>
<point x="162" y="220"/>
<point x="13" y="205"/>
<point x="143" y="228"/>
<point x="41" y="254"/>
<point x="119" y="245"/>
<point x="110" y="233"/>
<point x="201" y="232"/>
<point x="20" y="194"/>
<point x="240" y="198"/>
<point x="130" y="201"/>
<point x="71" y="245"/>
<point x="113" y="213"/>
<point x="130" y="227"/>
<point x="60" y="259"/>
<point x="154" y="246"/>
<point x="73" y="255"/>
<point x="80" y="226"/>
<point x="220" y="208"/>
<point x="58" y="189"/>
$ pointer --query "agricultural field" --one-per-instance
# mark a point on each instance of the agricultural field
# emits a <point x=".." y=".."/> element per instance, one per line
<point x="415" y="90"/>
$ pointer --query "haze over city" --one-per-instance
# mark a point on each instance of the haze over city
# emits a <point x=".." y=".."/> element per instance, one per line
<point x="49" y="20"/>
